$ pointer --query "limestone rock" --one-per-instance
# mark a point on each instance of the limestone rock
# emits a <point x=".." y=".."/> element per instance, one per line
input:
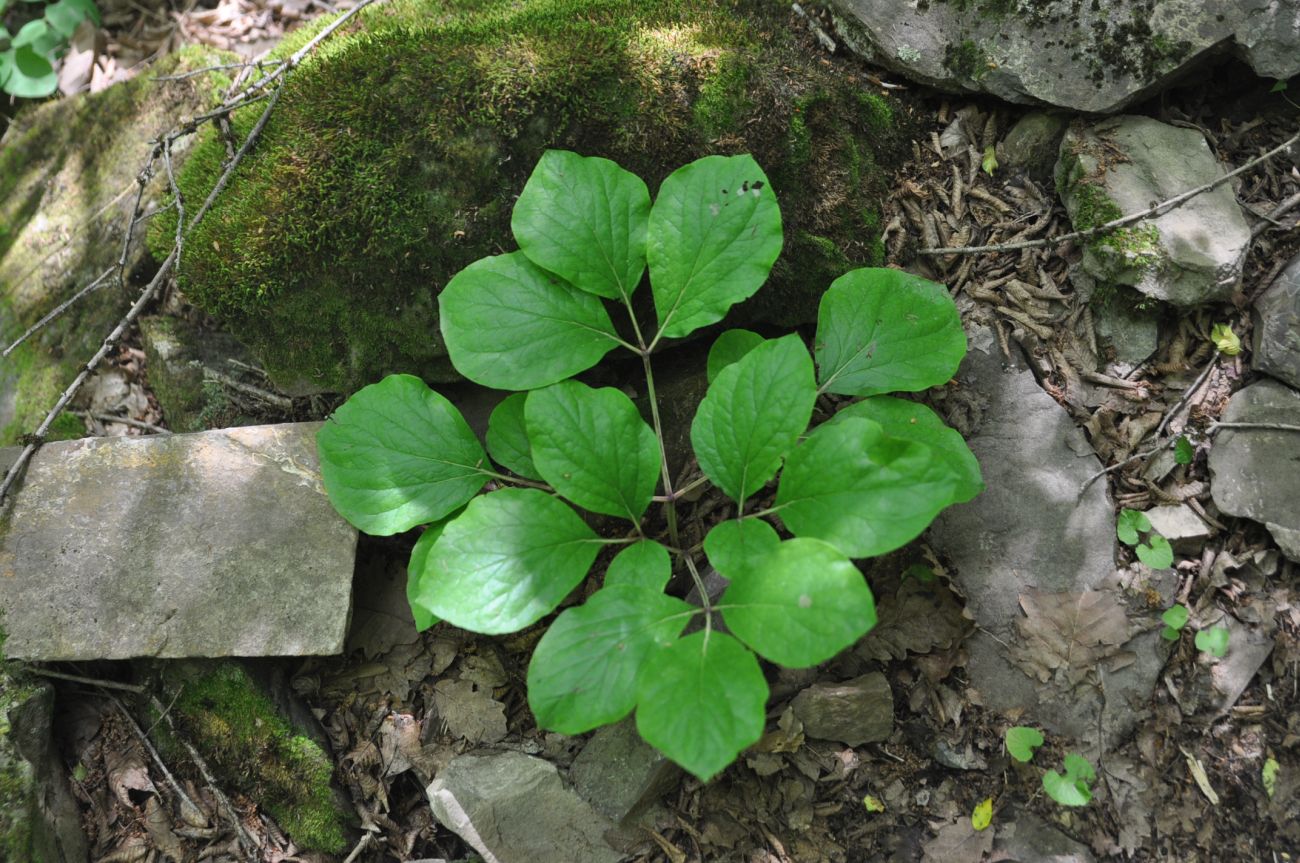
<point x="1254" y="471"/>
<point x="1088" y="57"/>
<point x="1032" y="144"/>
<point x="1180" y="525"/>
<point x="513" y="808"/>
<point x="221" y="543"/>
<point x="1192" y="254"/>
<point x="1030" y="839"/>
<point x="854" y="712"/>
<point x="620" y="774"/>
<point x="1277" y="327"/>
<point x="178" y="354"/>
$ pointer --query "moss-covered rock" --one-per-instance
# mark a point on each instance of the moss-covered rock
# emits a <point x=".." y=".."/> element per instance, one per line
<point x="178" y="353"/>
<point x="394" y="156"/>
<point x="67" y="179"/>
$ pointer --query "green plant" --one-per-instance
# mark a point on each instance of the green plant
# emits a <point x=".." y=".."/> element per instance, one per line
<point x="398" y="455"/>
<point x="1153" y="550"/>
<point x="27" y="57"/>
<point x="1021" y="742"/>
<point x="1184" y="452"/>
<point x="1213" y="641"/>
<point x="1174" y="619"/>
<point x="1074" y="788"/>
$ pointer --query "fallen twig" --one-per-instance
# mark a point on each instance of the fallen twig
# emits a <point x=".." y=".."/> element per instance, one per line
<point x="186" y="802"/>
<point x="88" y="681"/>
<point x="1188" y="393"/>
<point x="58" y="310"/>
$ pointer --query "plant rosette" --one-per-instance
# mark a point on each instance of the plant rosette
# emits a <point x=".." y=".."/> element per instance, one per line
<point x="506" y="542"/>
<point x="28" y="57"/>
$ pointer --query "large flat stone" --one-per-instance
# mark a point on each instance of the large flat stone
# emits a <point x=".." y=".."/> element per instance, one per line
<point x="1277" y="327"/>
<point x="221" y="543"/>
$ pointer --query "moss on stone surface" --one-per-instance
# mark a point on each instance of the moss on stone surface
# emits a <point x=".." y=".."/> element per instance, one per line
<point x="393" y="159"/>
<point x="1126" y="251"/>
<point x="15" y="772"/>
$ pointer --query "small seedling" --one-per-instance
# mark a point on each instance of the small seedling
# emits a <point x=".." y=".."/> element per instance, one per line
<point x="1269" y="777"/>
<point x="873" y="804"/>
<point x="1022" y="741"/>
<point x="982" y="817"/>
<point x="1175" y="619"/>
<point x="1213" y="641"/>
<point x="1154" y="550"/>
<point x="1074" y="788"/>
<point x="1225" y="340"/>
<point x="1184" y="453"/>
<point x="990" y="162"/>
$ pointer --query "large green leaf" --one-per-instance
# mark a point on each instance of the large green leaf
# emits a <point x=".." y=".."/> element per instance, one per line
<point x="861" y="491"/>
<point x="729" y="347"/>
<point x="701" y="701"/>
<point x="511" y="325"/>
<point x="882" y="330"/>
<point x="584" y="218"/>
<point x="507" y="561"/>
<point x="507" y="437"/>
<point x="715" y="231"/>
<point x="753" y="414"/>
<point x="396" y="455"/>
<point x="642" y="564"/>
<point x="592" y="446"/>
<point x="736" y="546"/>
<point x="584" y="671"/>
<point x="909" y="420"/>
<point x="419" y="577"/>
<point x="800" y="604"/>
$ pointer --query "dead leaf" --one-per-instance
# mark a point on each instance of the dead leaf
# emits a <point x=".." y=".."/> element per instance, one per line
<point x="469" y="712"/>
<point x="958" y="842"/>
<point x="919" y="618"/>
<point x="127" y="772"/>
<point x="1065" y="635"/>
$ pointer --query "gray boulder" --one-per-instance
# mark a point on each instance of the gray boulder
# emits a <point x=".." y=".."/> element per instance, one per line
<point x="1277" y="327"/>
<point x="1091" y="57"/>
<point x="1033" y="143"/>
<point x="620" y="774"/>
<point x="1192" y="254"/>
<point x="854" y="712"/>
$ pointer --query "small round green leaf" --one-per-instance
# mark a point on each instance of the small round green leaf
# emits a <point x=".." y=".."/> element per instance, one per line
<point x="419" y="577"/>
<point x="1129" y="524"/>
<point x="701" y="701"/>
<point x="507" y="437"/>
<point x="910" y="420"/>
<point x="507" y="561"/>
<point x="1213" y="641"/>
<point x="715" y="232"/>
<point x="30" y="76"/>
<point x="396" y="455"/>
<point x="881" y="330"/>
<point x="1176" y="617"/>
<point x="1074" y="788"/>
<point x="643" y="564"/>
<point x="753" y="414"/>
<point x="1184" y="452"/>
<point x="39" y="36"/>
<point x="800" y="605"/>
<point x="861" y="491"/>
<point x="1022" y="741"/>
<point x="736" y="546"/>
<point x="592" y="446"/>
<point x="584" y="219"/>
<point x="63" y="16"/>
<point x="1156" y="552"/>
<point x="511" y="325"/>
<point x="729" y="347"/>
<point x="585" y="669"/>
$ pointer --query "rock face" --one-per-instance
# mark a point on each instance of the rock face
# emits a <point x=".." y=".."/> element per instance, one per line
<point x="214" y="544"/>
<point x="1277" y="327"/>
<point x="1090" y="57"/>
<point x="513" y="808"/>
<point x="1033" y="143"/>
<point x="1191" y="255"/>
<point x="620" y="774"/>
<point x="179" y="356"/>
<point x="854" y="712"/>
<point x="1256" y="472"/>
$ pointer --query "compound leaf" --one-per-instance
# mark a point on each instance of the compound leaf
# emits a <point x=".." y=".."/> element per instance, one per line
<point x="861" y="491"/>
<point x="729" y="347"/>
<point x="396" y="455"/>
<point x="592" y="446"/>
<point x="1022" y="741"/>
<point x="737" y="545"/>
<point x="715" y="231"/>
<point x="753" y="414"/>
<point x="584" y="219"/>
<point x="507" y="437"/>
<point x="910" y="420"/>
<point x="800" y="604"/>
<point x="584" y="671"/>
<point x="701" y="701"/>
<point x="643" y="564"/>
<point x="507" y="561"/>
<point x="509" y="324"/>
<point x="881" y="330"/>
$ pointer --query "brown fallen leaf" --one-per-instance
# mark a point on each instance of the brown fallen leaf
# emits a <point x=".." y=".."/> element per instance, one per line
<point x="1065" y="635"/>
<point x="958" y="842"/>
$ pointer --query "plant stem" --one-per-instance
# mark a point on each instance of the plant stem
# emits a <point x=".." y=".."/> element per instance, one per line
<point x="705" y="602"/>
<point x="670" y="508"/>
<point x="681" y="492"/>
<point x="516" y="480"/>
<point x="771" y="510"/>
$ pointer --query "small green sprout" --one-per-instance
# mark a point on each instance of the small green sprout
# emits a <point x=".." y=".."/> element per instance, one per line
<point x="1175" y="619"/>
<point x="1225" y="340"/>
<point x="1269" y="777"/>
<point x="990" y="162"/>
<point x="1022" y="741"/>
<point x="1075" y="787"/>
<point x="1184" y="453"/>
<point x="1213" y="641"/>
<point x="1155" y="551"/>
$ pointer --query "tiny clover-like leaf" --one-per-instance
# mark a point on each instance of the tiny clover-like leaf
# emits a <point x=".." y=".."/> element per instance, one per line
<point x="642" y="564"/>
<point x="1156" y="552"/>
<point x="861" y="491"/>
<point x="910" y="420"/>
<point x="396" y="455"/>
<point x="1174" y="619"/>
<point x="507" y="561"/>
<point x="729" y="347"/>
<point x="584" y="671"/>
<point x="1213" y="641"/>
<point x="737" y="545"/>
<point x="584" y="218"/>
<point x="1184" y="453"/>
<point x="715" y="232"/>
<point x="592" y="446"/>
<point x="753" y="414"/>
<point x="800" y="605"/>
<point x="507" y="437"/>
<point x="419" y="577"/>
<point x="30" y="74"/>
<point x="701" y="701"/>
<point x="509" y="324"/>
<point x="881" y="330"/>
<point x="1021" y="741"/>
<point x="1074" y="788"/>
<point x="1130" y="524"/>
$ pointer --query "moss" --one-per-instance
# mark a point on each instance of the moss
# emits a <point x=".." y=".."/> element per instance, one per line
<point x="393" y="160"/>
<point x="16" y="838"/>
<point x="1128" y="252"/>
<point x="965" y="59"/>
<point x="877" y="112"/>
<point x="253" y="749"/>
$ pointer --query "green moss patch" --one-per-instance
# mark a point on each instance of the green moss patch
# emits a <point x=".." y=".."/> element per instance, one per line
<point x="393" y="160"/>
